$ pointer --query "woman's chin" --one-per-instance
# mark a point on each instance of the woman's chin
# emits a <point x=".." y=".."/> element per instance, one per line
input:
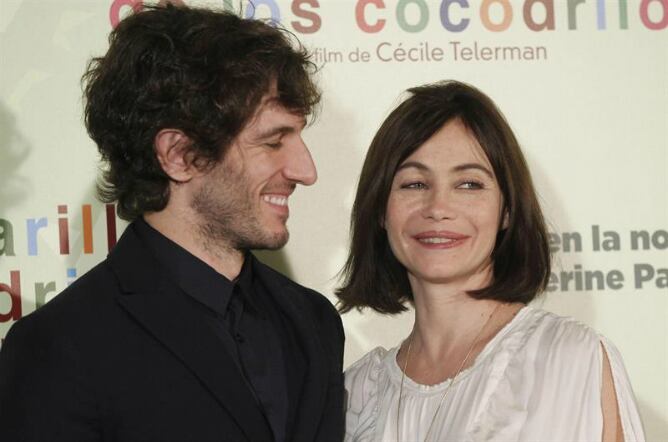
<point x="461" y="281"/>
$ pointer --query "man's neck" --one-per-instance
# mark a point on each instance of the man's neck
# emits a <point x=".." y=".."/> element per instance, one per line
<point x="176" y="227"/>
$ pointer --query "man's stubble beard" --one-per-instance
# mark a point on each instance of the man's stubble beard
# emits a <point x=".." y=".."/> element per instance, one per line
<point x="228" y="220"/>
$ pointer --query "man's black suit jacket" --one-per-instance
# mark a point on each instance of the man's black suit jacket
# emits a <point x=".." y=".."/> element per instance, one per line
<point x="122" y="356"/>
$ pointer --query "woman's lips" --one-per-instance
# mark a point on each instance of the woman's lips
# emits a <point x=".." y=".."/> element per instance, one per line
<point x="441" y="239"/>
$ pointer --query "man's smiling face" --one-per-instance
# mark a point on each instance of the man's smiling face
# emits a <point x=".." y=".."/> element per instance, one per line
<point x="243" y="200"/>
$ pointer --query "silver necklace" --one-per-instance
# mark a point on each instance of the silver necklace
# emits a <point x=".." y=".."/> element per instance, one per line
<point x="452" y="380"/>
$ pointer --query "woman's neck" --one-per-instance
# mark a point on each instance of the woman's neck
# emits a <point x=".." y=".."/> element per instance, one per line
<point x="449" y="325"/>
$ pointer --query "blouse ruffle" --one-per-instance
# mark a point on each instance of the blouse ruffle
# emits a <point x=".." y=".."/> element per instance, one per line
<point x="539" y="378"/>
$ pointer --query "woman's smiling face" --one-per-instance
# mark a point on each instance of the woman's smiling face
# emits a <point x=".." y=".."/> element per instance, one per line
<point x="444" y="210"/>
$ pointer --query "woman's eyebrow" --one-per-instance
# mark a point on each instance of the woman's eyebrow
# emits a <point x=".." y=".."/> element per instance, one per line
<point x="459" y="168"/>
<point x="415" y="164"/>
<point x="467" y="166"/>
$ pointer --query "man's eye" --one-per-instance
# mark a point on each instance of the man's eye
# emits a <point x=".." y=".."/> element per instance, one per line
<point x="275" y="145"/>
<point x="414" y="185"/>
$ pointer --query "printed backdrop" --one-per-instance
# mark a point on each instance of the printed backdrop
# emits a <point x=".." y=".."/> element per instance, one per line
<point x="584" y="84"/>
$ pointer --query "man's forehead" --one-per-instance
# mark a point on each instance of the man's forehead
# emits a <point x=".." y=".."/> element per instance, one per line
<point x="271" y="107"/>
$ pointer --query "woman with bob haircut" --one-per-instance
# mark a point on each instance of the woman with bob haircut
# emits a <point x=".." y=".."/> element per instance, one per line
<point x="446" y="218"/>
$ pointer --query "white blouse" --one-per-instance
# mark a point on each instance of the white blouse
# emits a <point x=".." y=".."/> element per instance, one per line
<point x="538" y="379"/>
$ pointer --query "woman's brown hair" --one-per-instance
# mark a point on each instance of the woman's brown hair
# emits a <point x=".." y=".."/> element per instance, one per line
<point x="372" y="276"/>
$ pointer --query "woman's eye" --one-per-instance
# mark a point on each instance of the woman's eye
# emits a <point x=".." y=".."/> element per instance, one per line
<point x="470" y="185"/>
<point x="414" y="185"/>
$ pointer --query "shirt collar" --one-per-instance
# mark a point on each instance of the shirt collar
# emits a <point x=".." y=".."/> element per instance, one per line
<point x="193" y="275"/>
<point x="245" y="282"/>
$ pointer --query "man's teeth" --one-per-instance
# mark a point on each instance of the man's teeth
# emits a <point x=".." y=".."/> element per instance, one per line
<point x="435" y="240"/>
<point x="277" y="200"/>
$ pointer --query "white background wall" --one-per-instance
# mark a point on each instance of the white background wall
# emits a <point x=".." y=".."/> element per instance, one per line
<point x="592" y="119"/>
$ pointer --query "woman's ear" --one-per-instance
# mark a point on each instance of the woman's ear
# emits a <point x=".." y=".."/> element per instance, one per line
<point x="506" y="220"/>
<point x="172" y="149"/>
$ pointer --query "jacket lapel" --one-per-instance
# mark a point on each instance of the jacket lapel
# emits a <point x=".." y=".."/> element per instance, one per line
<point x="166" y="313"/>
<point x="295" y="307"/>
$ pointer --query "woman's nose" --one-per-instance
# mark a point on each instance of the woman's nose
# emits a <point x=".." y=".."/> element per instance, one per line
<point x="438" y="206"/>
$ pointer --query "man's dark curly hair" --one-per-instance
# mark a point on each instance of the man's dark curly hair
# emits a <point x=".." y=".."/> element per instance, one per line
<point x="200" y="71"/>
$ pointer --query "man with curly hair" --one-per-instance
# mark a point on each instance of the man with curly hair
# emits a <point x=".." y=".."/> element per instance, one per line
<point x="181" y="334"/>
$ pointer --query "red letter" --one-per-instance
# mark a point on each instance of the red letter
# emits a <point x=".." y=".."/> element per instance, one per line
<point x="310" y="15"/>
<point x="644" y="16"/>
<point x="548" y="23"/>
<point x="14" y="291"/>
<point x="359" y="16"/>
<point x="63" y="231"/>
<point x="115" y="9"/>
<point x="111" y="226"/>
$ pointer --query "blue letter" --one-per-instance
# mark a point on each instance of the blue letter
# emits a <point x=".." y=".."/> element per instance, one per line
<point x="445" y="16"/>
<point x="33" y="226"/>
<point x="275" y="12"/>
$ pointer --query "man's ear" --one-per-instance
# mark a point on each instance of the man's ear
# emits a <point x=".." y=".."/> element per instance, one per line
<point x="173" y="153"/>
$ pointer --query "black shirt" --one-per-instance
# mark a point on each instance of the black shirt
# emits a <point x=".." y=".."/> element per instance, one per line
<point x="249" y="323"/>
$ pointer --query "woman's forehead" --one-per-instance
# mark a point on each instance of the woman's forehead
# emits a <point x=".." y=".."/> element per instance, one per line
<point x="453" y="144"/>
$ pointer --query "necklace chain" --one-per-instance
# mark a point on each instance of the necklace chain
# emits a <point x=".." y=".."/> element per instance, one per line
<point x="452" y="380"/>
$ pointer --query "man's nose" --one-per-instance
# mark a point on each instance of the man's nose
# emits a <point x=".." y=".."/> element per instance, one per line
<point x="299" y="166"/>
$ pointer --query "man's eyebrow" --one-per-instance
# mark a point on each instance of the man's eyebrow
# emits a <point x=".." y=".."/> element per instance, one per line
<point x="283" y="129"/>
<point x="276" y="131"/>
